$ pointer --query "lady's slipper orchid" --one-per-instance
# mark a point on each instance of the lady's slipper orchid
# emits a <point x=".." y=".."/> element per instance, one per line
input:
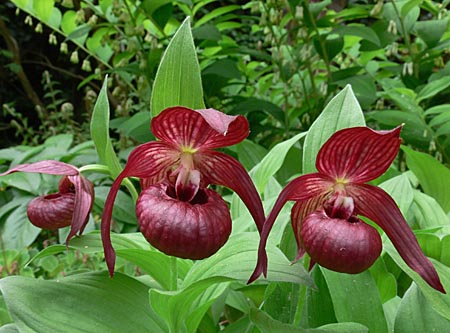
<point x="72" y="203"/>
<point x="324" y="217"/>
<point x="176" y="211"/>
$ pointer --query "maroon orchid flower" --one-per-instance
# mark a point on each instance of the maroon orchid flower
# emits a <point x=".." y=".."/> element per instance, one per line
<point x="176" y="211"/>
<point x="328" y="202"/>
<point x="72" y="203"/>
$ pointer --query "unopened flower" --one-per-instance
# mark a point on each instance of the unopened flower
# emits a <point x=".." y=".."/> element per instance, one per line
<point x="176" y="211"/>
<point x="325" y="216"/>
<point x="72" y="203"/>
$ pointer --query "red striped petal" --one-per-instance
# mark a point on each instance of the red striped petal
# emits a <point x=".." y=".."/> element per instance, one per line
<point x="302" y="188"/>
<point x="84" y="200"/>
<point x="199" y="129"/>
<point x="375" y="204"/>
<point x="49" y="167"/>
<point x="150" y="161"/>
<point x="221" y="169"/>
<point x="358" y="154"/>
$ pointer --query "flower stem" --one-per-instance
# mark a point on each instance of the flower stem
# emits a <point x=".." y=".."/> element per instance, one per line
<point x="100" y="168"/>
<point x="302" y="294"/>
<point x="173" y="273"/>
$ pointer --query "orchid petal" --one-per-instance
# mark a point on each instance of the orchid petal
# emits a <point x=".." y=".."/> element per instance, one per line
<point x="300" y="211"/>
<point x="199" y="129"/>
<point x="84" y="200"/>
<point x="221" y="169"/>
<point x="358" y="154"/>
<point x="302" y="188"/>
<point x="375" y="204"/>
<point x="50" y="167"/>
<point x="151" y="160"/>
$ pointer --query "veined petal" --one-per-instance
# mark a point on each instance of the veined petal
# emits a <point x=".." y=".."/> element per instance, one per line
<point x="50" y="167"/>
<point x="302" y="188"/>
<point x="199" y="129"/>
<point x="358" y="154"/>
<point x="375" y="204"/>
<point x="221" y="169"/>
<point x="84" y="200"/>
<point x="150" y="161"/>
<point x="299" y="212"/>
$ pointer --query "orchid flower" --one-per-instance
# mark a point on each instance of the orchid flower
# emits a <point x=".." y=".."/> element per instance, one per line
<point x="176" y="211"/>
<point x="72" y="203"/>
<point x="325" y="216"/>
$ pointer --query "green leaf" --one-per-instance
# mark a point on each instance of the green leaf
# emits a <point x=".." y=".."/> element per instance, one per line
<point x="43" y="9"/>
<point x="433" y="88"/>
<point x="341" y="112"/>
<point x="272" y="162"/>
<point x="80" y="303"/>
<point x="237" y="260"/>
<point x="154" y="263"/>
<point x="433" y="176"/>
<point x="362" y="31"/>
<point x="100" y="132"/>
<point x="356" y="299"/>
<point x="183" y="310"/>
<point x="269" y="325"/>
<point x="440" y="302"/>
<point x="178" y="80"/>
<point x="431" y="31"/>
<point x="426" y="212"/>
<point x="408" y="6"/>
<point x="400" y="189"/>
<point x="416" y="315"/>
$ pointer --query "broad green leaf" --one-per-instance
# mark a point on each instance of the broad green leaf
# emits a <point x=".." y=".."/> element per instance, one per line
<point x="237" y="259"/>
<point x="356" y="299"/>
<point x="416" y="315"/>
<point x="182" y="310"/>
<point x="445" y="255"/>
<point x="433" y="176"/>
<point x="91" y="302"/>
<point x="92" y="243"/>
<point x="433" y="88"/>
<point x="9" y="328"/>
<point x="430" y="244"/>
<point x="426" y="212"/>
<point x="22" y="4"/>
<point x="154" y="263"/>
<point x="43" y="9"/>
<point x="250" y="153"/>
<point x="178" y="80"/>
<point x="341" y="112"/>
<point x="440" y="302"/>
<point x="385" y="280"/>
<point x="100" y="132"/>
<point x="269" y="325"/>
<point x="362" y="31"/>
<point x="272" y="162"/>
<point x="400" y="190"/>
<point x="431" y="31"/>
<point x="317" y="309"/>
<point x="17" y="231"/>
<point x="408" y="6"/>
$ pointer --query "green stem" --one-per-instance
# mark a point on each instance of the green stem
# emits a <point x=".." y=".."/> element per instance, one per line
<point x="302" y="294"/>
<point x="173" y="273"/>
<point x="100" y="168"/>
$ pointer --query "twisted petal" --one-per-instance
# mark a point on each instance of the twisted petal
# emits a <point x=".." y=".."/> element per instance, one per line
<point x="151" y="161"/>
<point x="84" y="200"/>
<point x="377" y="205"/>
<point x="299" y="212"/>
<point x="358" y="154"/>
<point x="199" y="129"/>
<point x="311" y="186"/>
<point x="50" y="167"/>
<point x="221" y="169"/>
